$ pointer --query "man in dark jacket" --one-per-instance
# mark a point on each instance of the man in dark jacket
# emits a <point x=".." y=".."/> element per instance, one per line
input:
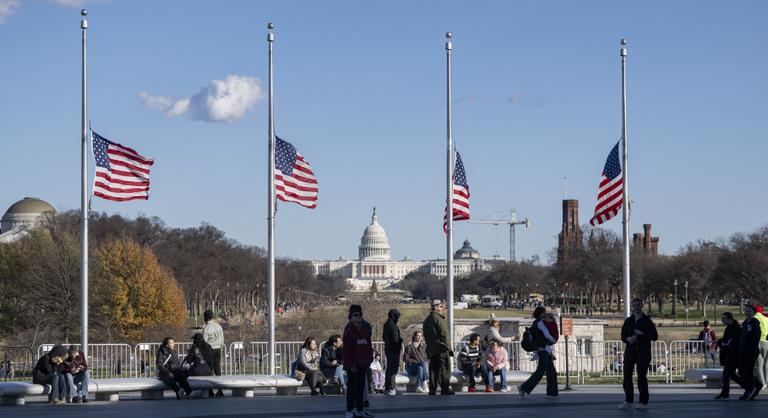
<point x="729" y="354"/>
<point x="358" y="356"/>
<point x="331" y="360"/>
<point x="46" y="372"/>
<point x="638" y="332"/>
<point x="436" y="335"/>
<point x="749" y="349"/>
<point x="393" y="345"/>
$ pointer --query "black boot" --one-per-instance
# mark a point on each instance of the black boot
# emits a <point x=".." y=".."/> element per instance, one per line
<point x="210" y="393"/>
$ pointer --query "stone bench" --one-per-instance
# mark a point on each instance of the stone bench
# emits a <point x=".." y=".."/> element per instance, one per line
<point x="14" y="393"/>
<point x="713" y="378"/>
<point x="459" y="382"/>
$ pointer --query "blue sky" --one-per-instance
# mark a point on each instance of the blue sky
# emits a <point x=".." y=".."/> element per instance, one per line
<point x="360" y="92"/>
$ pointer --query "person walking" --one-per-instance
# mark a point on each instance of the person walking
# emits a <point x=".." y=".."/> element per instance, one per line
<point x="761" y="368"/>
<point x="707" y="335"/>
<point x="393" y="345"/>
<point x="436" y="334"/>
<point x="729" y="354"/>
<point x="638" y="332"/>
<point x="357" y="356"/>
<point x="214" y="336"/>
<point x="543" y="342"/>
<point x="749" y="351"/>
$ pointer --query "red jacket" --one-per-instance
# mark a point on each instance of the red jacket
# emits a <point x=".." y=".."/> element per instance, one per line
<point x="358" y="350"/>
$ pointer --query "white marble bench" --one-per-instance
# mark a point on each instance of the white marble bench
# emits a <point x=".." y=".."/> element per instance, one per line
<point x="713" y="378"/>
<point x="14" y="393"/>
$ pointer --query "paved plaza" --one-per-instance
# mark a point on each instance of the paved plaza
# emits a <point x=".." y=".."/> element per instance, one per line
<point x="586" y="401"/>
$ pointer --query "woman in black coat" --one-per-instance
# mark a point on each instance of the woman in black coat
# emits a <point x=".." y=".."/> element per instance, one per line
<point x="199" y="357"/>
<point x="169" y="368"/>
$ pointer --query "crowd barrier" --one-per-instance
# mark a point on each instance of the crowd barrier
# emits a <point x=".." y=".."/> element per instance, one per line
<point x="585" y="358"/>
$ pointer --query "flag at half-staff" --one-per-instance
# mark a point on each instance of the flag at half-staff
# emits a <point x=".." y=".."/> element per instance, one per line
<point x="610" y="194"/>
<point x="294" y="180"/>
<point x="460" y="194"/>
<point x="122" y="174"/>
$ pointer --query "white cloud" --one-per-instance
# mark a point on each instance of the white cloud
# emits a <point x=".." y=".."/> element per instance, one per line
<point x="7" y="7"/>
<point x="220" y="101"/>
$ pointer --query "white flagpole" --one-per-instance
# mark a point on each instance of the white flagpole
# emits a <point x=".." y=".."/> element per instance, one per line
<point x="449" y="190"/>
<point x="271" y="214"/>
<point x="84" y="198"/>
<point x="625" y="205"/>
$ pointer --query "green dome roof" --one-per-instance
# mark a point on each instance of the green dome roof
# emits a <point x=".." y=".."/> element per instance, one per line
<point x="30" y="205"/>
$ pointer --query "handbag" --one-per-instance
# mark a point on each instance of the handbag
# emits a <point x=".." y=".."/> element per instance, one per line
<point x="299" y="375"/>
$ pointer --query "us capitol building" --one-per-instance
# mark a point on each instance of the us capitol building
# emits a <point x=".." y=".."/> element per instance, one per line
<point x="375" y="262"/>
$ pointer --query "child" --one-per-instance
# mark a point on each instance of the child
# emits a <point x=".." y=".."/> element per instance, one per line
<point x="551" y="324"/>
<point x="378" y="373"/>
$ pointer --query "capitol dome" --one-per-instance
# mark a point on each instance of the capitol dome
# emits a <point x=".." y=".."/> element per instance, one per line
<point x="22" y="215"/>
<point x="466" y="252"/>
<point x="374" y="245"/>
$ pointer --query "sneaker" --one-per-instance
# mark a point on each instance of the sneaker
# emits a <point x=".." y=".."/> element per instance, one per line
<point x="504" y="389"/>
<point x="69" y="400"/>
<point x="85" y="399"/>
<point x="755" y="392"/>
<point x="392" y="392"/>
<point x="349" y="414"/>
<point x="420" y="389"/>
<point x="552" y="397"/>
<point x="489" y="389"/>
<point x="641" y="406"/>
<point x="76" y="399"/>
<point x="521" y="392"/>
<point x="472" y="390"/>
<point x="364" y="414"/>
<point x="721" y="398"/>
<point x="625" y="406"/>
<point x="425" y="386"/>
<point x="57" y="402"/>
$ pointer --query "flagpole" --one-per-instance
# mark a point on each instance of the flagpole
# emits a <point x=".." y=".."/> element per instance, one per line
<point x="84" y="197"/>
<point x="625" y="192"/>
<point x="449" y="190"/>
<point x="271" y="214"/>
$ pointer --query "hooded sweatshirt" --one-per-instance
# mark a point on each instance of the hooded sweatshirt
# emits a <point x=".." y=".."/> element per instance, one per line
<point x="358" y="350"/>
<point x="393" y="342"/>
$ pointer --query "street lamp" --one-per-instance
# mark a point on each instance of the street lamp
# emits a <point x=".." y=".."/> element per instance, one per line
<point x="686" y="302"/>
<point x="674" y="301"/>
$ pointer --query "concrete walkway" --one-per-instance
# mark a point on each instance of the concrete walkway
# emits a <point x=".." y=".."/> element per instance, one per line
<point x="586" y="401"/>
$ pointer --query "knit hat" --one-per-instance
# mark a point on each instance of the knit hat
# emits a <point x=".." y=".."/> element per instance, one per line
<point x="758" y="309"/>
<point x="436" y="302"/>
<point x="355" y="308"/>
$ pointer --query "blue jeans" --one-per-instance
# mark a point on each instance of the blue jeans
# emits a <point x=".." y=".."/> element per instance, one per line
<point x="419" y="370"/>
<point x="338" y="374"/>
<point x="58" y="387"/>
<point x="82" y="378"/>
<point x="501" y="372"/>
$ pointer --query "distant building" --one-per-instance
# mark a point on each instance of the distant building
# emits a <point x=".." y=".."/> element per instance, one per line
<point x="570" y="238"/>
<point x="649" y="244"/>
<point x="375" y="262"/>
<point x="21" y="217"/>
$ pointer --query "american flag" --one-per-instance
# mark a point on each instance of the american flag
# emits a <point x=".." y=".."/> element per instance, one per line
<point x="610" y="194"/>
<point x="294" y="179"/>
<point x="460" y="195"/>
<point x="121" y="173"/>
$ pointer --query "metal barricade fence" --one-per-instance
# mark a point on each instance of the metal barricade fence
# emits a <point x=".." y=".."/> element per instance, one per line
<point x="606" y="359"/>
<point x="104" y="360"/>
<point x="16" y="363"/>
<point x="690" y="354"/>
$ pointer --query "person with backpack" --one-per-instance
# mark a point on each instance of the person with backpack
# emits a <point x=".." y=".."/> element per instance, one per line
<point x="538" y="340"/>
<point x="638" y="332"/>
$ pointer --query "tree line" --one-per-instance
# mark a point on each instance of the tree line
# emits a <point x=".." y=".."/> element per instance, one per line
<point x="146" y="280"/>
<point x="725" y="271"/>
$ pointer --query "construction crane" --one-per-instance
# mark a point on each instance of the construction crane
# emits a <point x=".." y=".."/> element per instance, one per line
<point x="504" y="220"/>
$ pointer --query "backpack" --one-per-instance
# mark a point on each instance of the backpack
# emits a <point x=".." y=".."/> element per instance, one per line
<point x="529" y="340"/>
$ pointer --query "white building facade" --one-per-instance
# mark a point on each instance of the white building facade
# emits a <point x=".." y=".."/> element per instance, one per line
<point x="375" y="262"/>
<point x="23" y="216"/>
